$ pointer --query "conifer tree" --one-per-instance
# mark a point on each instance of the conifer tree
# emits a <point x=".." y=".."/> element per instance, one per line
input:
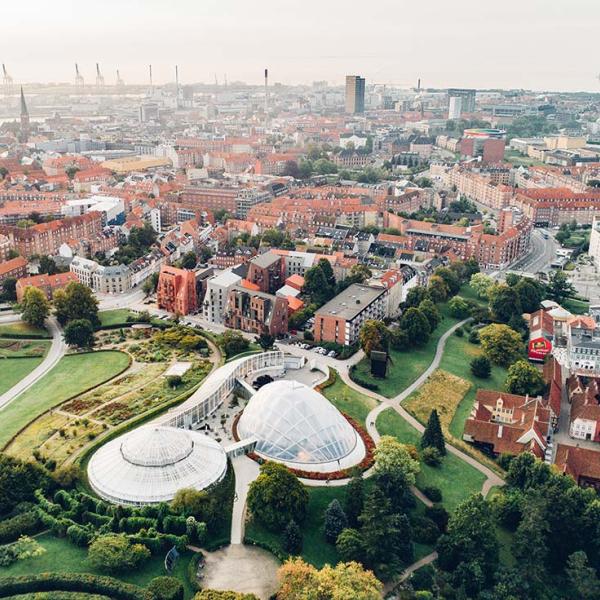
<point x="292" y="538"/>
<point x="433" y="436"/>
<point x="335" y="521"/>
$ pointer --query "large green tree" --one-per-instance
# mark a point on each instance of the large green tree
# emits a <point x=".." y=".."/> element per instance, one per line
<point x="354" y="499"/>
<point x="524" y="378"/>
<point x="437" y="289"/>
<point x="559" y="287"/>
<point x="451" y="279"/>
<point x="276" y="497"/>
<point x="501" y="344"/>
<point x="482" y="284"/>
<point x="504" y="303"/>
<point x="79" y="333"/>
<point x="433" y="436"/>
<point x="431" y="312"/>
<point x="416" y="326"/>
<point x="335" y="521"/>
<point x="74" y="302"/>
<point x="374" y="335"/>
<point x="530" y="294"/>
<point x="35" y="306"/>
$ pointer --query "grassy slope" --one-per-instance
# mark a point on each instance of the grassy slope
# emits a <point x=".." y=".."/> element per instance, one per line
<point x="456" y="479"/>
<point x="114" y="317"/>
<point x="456" y="360"/>
<point x="63" y="556"/>
<point x="405" y="367"/>
<point x="71" y="376"/>
<point x="349" y="401"/>
<point x="20" y="328"/>
<point x="12" y="370"/>
<point x="12" y="348"/>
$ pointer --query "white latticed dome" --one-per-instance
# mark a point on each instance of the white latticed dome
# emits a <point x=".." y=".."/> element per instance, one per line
<point x="296" y="425"/>
<point x="152" y="463"/>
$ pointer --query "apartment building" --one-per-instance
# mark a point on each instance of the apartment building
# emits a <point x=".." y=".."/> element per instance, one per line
<point x="114" y="279"/>
<point x="47" y="283"/>
<point x="256" y="312"/>
<point x="267" y="272"/>
<point x="342" y="317"/>
<point x="176" y="291"/>
<point x="584" y="394"/>
<point x="14" y="268"/>
<point x="217" y="291"/>
<point x="551" y="207"/>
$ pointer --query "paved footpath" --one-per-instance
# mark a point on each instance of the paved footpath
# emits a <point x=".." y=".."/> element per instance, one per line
<point x="55" y="353"/>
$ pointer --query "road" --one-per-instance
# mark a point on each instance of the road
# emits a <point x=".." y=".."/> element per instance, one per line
<point x="542" y="253"/>
<point x="114" y="301"/>
<point x="55" y="353"/>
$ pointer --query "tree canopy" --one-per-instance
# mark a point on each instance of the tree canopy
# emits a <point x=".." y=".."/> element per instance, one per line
<point x="35" y="306"/>
<point x="501" y="344"/>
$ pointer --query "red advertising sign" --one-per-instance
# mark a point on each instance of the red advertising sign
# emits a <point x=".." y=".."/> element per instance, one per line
<point x="539" y="348"/>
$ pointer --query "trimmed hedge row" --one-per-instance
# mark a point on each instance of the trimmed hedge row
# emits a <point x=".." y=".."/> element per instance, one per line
<point x="26" y="523"/>
<point x="72" y="582"/>
<point x="273" y="548"/>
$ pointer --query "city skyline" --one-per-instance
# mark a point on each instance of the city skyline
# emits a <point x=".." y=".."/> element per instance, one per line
<point x="459" y="44"/>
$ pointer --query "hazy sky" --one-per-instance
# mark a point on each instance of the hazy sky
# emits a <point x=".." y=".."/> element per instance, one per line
<point x="538" y="44"/>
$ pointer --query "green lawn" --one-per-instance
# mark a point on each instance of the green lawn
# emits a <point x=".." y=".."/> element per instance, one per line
<point x="63" y="556"/>
<point x="577" y="307"/>
<point x="12" y="370"/>
<point x="456" y="479"/>
<point x="71" y="376"/>
<point x="315" y="549"/>
<point x="405" y="367"/>
<point x="456" y="360"/>
<point x="20" y="328"/>
<point x="13" y="348"/>
<point x="114" y="317"/>
<point x="349" y="401"/>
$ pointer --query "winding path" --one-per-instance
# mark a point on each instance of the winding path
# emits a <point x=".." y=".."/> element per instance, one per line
<point x="57" y="350"/>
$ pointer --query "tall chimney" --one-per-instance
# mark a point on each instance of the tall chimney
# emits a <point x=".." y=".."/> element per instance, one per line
<point x="266" y="92"/>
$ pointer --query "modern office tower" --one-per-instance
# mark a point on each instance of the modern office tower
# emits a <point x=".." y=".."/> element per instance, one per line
<point x="454" y="107"/>
<point x="467" y="98"/>
<point x="355" y="94"/>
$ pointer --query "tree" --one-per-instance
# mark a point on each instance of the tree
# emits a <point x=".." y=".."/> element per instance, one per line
<point x="374" y="335"/>
<point x="482" y="284"/>
<point x="415" y="296"/>
<point x="583" y="577"/>
<point x="416" y="325"/>
<point x="530" y="294"/>
<point x="141" y="238"/>
<point x="350" y="545"/>
<point x="431" y="312"/>
<point x="393" y="459"/>
<point x="189" y="260"/>
<point x="301" y="581"/>
<point x="354" y="499"/>
<point x="530" y="546"/>
<point x="233" y="342"/>
<point x="166" y="588"/>
<point x="189" y="502"/>
<point x="559" y="287"/>
<point x="290" y="169"/>
<point x="9" y="289"/>
<point x="481" y="367"/>
<point x="433" y="436"/>
<point x="316" y="285"/>
<point x="327" y="269"/>
<point x="504" y="303"/>
<point x="35" y="306"/>
<point x="450" y="278"/>
<point x="19" y="480"/>
<point x="335" y="521"/>
<point x="437" y="289"/>
<point x="523" y="378"/>
<point x="265" y="341"/>
<point x="458" y="307"/>
<point x="292" y="538"/>
<point x="469" y="550"/>
<point x="79" y="333"/>
<point x="387" y="535"/>
<point x="48" y="265"/>
<point x="501" y="344"/>
<point x="76" y="301"/>
<point x="116" y="553"/>
<point x="276" y="497"/>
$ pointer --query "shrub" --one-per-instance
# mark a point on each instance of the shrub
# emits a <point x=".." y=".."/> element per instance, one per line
<point x="474" y="336"/>
<point x="425" y="531"/>
<point x="459" y="332"/>
<point x="80" y="536"/>
<point x="481" y="367"/>
<point x="23" y="548"/>
<point x="166" y="588"/>
<point x="439" y="515"/>
<point x="431" y="456"/>
<point x="26" y="523"/>
<point x="116" y="553"/>
<point x="175" y="524"/>
<point x="134" y="524"/>
<point x="292" y="538"/>
<point x="433" y="493"/>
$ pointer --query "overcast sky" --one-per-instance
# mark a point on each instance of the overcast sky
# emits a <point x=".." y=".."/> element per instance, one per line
<point x="537" y="44"/>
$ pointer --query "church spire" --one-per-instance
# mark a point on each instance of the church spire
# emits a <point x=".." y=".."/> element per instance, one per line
<point x="24" y="111"/>
<point x="24" y="133"/>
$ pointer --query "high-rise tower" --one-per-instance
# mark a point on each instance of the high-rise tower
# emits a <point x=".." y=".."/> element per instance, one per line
<point x="355" y="94"/>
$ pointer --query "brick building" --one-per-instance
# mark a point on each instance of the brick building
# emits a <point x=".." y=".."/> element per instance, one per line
<point x="47" y="238"/>
<point x="551" y="207"/>
<point x="176" y="291"/>
<point x="267" y="272"/>
<point x="47" y="283"/>
<point x="16" y="267"/>
<point x="582" y="464"/>
<point x="342" y="317"/>
<point x="256" y="312"/>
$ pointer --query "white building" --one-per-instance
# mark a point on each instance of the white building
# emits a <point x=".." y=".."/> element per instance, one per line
<point x="111" y="207"/>
<point x="454" y="107"/>
<point x="216" y="295"/>
<point x="594" y="251"/>
<point x="155" y="220"/>
<point x="114" y="279"/>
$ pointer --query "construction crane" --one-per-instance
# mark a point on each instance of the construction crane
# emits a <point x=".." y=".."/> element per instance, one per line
<point x="78" y="78"/>
<point x="99" y="77"/>
<point x="151" y="85"/>
<point x="120" y="83"/>
<point x="7" y="81"/>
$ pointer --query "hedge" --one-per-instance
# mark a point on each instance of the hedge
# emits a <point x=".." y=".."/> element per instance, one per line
<point x="166" y="588"/>
<point x="72" y="582"/>
<point x="273" y="548"/>
<point x="26" y="523"/>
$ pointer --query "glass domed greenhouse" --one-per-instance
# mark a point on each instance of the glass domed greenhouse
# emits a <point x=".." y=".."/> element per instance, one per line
<point x="297" y="426"/>
<point x="152" y="463"/>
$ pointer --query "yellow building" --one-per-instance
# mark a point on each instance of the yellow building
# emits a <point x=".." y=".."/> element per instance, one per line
<point x="136" y="163"/>
<point x="564" y="142"/>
